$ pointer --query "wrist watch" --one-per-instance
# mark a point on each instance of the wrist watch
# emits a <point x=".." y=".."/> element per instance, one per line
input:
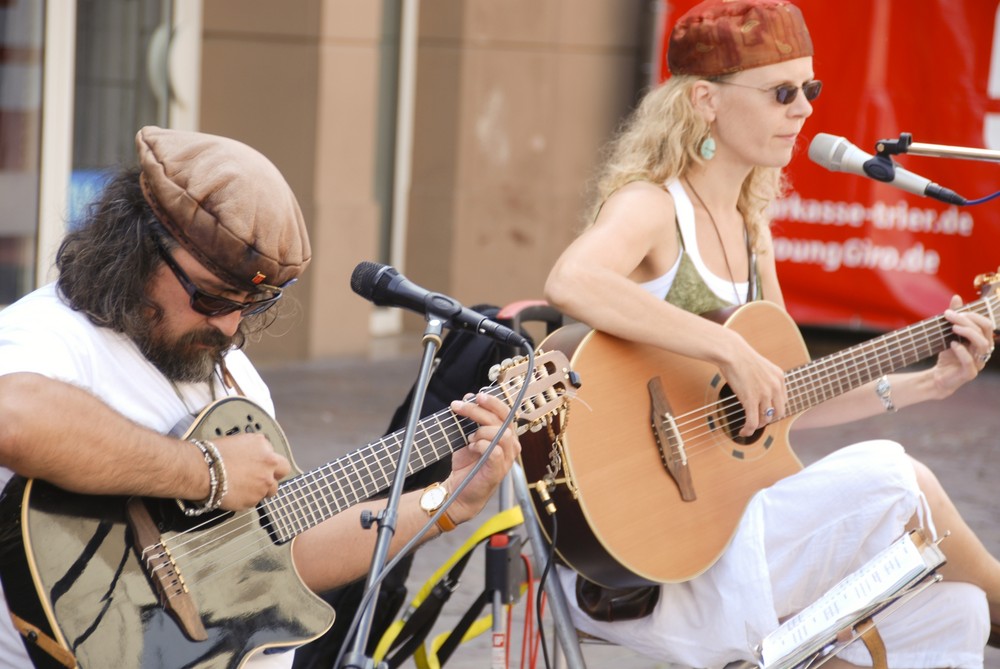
<point x="431" y="500"/>
<point x="884" y="391"/>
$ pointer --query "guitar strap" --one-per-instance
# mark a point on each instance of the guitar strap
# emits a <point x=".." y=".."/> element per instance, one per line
<point x="228" y="379"/>
<point x="36" y="637"/>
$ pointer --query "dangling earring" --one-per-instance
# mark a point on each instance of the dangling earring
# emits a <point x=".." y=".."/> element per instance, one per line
<point x="707" y="147"/>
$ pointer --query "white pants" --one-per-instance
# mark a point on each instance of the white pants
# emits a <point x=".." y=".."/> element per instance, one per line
<point x="796" y="540"/>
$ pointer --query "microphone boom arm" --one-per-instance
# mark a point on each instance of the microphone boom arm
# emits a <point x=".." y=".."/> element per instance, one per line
<point x="905" y="144"/>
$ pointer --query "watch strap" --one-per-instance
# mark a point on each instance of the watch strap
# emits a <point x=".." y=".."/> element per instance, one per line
<point x="445" y="522"/>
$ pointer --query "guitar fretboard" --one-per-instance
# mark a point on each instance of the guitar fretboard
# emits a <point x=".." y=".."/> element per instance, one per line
<point x="310" y="498"/>
<point x="838" y="373"/>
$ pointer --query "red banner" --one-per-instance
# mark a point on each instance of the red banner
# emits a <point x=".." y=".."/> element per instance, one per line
<point x="854" y="252"/>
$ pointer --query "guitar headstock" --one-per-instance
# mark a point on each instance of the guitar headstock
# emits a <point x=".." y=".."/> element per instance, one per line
<point x="550" y="383"/>
<point x="988" y="282"/>
<point x="988" y="286"/>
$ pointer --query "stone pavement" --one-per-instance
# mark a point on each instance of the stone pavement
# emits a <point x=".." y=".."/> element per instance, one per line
<point x="328" y="408"/>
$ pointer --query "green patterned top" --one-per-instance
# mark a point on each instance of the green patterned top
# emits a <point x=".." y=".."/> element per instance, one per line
<point x="689" y="291"/>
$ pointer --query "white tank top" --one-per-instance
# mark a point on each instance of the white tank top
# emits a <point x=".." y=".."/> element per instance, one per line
<point x="660" y="286"/>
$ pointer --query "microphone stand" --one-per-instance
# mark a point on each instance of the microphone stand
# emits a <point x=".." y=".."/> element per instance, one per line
<point x="387" y="518"/>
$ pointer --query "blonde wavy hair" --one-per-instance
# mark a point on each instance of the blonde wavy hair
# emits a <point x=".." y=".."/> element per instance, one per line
<point x="660" y="141"/>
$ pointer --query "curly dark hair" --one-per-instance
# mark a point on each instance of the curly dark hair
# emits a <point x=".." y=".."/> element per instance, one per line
<point x="106" y="263"/>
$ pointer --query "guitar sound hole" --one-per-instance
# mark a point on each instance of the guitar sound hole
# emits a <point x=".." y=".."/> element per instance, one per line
<point x="732" y="418"/>
<point x="250" y="428"/>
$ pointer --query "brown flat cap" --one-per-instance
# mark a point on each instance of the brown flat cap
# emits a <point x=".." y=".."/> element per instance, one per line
<point x="719" y="37"/>
<point x="226" y="204"/>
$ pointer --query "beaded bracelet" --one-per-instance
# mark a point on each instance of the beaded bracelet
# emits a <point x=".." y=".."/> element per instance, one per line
<point x="217" y="484"/>
<point x="220" y="473"/>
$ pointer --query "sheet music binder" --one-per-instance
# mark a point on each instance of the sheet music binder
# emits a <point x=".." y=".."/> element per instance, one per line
<point x="835" y="620"/>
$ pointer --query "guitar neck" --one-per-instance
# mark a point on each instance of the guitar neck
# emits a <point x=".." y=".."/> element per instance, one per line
<point x="838" y="373"/>
<point x="532" y="392"/>
<point x="310" y="498"/>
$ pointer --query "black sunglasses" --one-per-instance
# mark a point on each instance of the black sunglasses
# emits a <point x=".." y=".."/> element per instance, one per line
<point x="785" y="94"/>
<point x="214" y="305"/>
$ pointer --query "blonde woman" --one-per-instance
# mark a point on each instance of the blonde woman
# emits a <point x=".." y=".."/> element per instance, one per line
<point x="680" y="228"/>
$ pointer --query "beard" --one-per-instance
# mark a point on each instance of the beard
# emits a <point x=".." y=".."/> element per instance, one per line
<point x="192" y="357"/>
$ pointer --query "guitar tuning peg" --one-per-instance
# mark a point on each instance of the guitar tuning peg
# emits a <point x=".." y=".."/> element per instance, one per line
<point x="984" y="279"/>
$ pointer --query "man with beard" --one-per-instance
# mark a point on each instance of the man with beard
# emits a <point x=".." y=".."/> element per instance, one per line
<point x="179" y="261"/>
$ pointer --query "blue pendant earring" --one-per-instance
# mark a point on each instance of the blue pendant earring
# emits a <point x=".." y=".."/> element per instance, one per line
<point x="707" y="148"/>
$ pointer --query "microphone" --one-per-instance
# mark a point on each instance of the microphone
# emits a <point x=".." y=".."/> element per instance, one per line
<point x="838" y="155"/>
<point x="386" y="287"/>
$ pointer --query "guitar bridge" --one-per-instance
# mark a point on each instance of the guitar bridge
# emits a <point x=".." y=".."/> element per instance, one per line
<point x="668" y="441"/>
<point x="162" y="571"/>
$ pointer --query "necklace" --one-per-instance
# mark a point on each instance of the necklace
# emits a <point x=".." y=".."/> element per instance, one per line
<point x="725" y="256"/>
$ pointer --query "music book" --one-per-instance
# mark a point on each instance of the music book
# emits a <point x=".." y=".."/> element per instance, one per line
<point x="823" y="628"/>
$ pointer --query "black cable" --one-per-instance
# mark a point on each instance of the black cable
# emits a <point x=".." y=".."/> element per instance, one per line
<point x="549" y="559"/>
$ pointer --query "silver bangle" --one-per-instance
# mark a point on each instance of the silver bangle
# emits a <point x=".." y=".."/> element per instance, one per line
<point x="220" y="474"/>
<point x="217" y="484"/>
<point x="884" y="391"/>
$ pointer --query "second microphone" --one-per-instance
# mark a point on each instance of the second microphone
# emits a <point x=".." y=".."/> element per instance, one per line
<point x="384" y="286"/>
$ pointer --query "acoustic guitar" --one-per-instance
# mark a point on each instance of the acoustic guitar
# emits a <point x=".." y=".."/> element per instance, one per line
<point x="104" y="581"/>
<point x="647" y="470"/>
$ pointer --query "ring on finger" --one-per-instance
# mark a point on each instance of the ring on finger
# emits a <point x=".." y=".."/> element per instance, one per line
<point x="769" y="413"/>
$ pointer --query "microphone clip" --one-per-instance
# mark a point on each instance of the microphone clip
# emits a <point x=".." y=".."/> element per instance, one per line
<point x="894" y="147"/>
<point x="881" y="167"/>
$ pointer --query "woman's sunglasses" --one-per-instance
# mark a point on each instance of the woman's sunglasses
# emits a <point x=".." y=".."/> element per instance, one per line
<point x="785" y="94"/>
<point x="214" y="305"/>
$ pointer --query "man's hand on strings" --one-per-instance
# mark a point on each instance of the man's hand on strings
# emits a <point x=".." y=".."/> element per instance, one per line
<point x="489" y="412"/>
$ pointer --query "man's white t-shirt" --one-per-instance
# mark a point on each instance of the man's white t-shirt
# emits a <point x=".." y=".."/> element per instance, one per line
<point x="41" y="334"/>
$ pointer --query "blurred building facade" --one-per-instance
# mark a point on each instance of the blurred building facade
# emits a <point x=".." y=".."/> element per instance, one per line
<point x="453" y="139"/>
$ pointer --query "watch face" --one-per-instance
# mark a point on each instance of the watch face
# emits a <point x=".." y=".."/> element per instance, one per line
<point x="433" y="498"/>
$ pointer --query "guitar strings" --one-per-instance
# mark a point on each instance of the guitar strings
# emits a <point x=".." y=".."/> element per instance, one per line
<point x="795" y="377"/>
<point x="193" y="543"/>
<point x="730" y="411"/>
<point x="455" y="429"/>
